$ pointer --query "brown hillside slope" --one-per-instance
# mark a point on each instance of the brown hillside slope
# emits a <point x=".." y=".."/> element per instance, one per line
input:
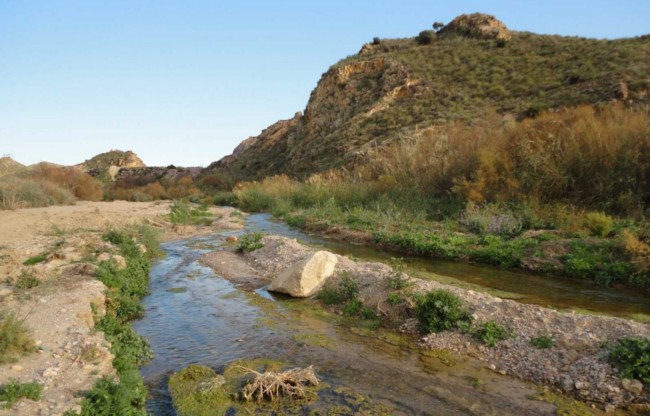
<point x="397" y="87"/>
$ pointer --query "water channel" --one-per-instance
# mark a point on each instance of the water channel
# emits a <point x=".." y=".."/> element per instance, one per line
<point x="194" y="316"/>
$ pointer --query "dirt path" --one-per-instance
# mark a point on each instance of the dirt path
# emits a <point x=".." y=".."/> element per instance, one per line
<point x="71" y="356"/>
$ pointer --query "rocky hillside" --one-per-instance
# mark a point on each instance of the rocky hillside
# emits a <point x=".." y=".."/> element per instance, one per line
<point x="473" y="66"/>
<point x="8" y="166"/>
<point x="107" y="165"/>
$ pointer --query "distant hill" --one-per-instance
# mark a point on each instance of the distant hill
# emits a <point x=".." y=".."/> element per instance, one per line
<point x="473" y="66"/>
<point x="106" y="165"/>
<point x="8" y="166"/>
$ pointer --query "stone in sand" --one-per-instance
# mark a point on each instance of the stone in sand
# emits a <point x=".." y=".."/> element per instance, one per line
<point x="306" y="277"/>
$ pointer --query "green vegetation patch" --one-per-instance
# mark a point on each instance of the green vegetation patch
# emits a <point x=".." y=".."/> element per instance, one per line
<point x="14" y="391"/>
<point x="126" y="396"/>
<point x="346" y="290"/>
<point x="35" y="260"/>
<point x="199" y="391"/>
<point x="632" y="358"/>
<point x="181" y="212"/>
<point x="543" y="341"/>
<point x="15" y="337"/>
<point x="490" y="333"/>
<point x="441" y="310"/>
<point x="26" y="281"/>
<point x="250" y="242"/>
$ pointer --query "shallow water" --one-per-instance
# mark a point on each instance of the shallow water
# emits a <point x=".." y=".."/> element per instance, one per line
<point x="194" y="316"/>
<point x="548" y="291"/>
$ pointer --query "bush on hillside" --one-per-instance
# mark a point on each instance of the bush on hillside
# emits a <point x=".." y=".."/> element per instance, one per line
<point x="27" y="193"/>
<point x="426" y="37"/>
<point x="82" y="185"/>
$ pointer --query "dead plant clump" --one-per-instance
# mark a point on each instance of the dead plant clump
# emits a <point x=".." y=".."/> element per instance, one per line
<point x="272" y="385"/>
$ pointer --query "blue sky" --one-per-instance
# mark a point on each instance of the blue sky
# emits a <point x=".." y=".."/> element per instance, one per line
<point x="184" y="82"/>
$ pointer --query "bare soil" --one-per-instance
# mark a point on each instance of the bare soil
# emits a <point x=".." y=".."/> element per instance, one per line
<point x="71" y="356"/>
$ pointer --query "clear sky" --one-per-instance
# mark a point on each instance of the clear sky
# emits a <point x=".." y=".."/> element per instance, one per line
<point x="185" y="81"/>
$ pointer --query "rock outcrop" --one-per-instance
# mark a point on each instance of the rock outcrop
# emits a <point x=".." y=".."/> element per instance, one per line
<point x="110" y="163"/>
<point x="321" y="138"/>
<point x="478" y="26"/>
<point x="305" y="278"/>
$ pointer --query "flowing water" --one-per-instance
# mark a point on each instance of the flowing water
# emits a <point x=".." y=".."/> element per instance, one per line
<point x="194" y="316"/>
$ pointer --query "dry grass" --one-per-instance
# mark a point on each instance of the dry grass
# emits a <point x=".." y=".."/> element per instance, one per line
<point x="587" y="156"/>
<point x="82" y="185"/>
<point x="272" y="385"/>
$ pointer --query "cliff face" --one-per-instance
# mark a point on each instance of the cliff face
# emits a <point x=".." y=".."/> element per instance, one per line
<point x="320" y="138"/>
<point x="394" y="88"/>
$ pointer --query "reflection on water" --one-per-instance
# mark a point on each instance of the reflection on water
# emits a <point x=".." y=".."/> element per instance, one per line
<point x="549" y="291"/>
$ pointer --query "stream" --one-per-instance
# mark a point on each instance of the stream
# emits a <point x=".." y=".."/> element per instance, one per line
<point x="193" y="315"/>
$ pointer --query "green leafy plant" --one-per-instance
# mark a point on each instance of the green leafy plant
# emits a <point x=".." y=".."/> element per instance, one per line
<point x="15" y="337"/>
<point x="440" y="310"/>
<point x="14" y="391"/>
<point x="490" y="333"/>
<point x="543" y="341"/>
<point x="347" y="289"/>
<point x="394" y="298"/>
<point x="632" y="358"/>
<point x="353" y="307"/>
<point x="250" y="242"/>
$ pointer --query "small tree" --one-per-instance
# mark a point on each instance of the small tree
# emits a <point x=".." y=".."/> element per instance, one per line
<point x="437" y="26"/>
<point x="376" y="41"/>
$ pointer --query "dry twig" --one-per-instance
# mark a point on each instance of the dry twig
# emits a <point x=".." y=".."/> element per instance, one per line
<point x="273" y="385"/>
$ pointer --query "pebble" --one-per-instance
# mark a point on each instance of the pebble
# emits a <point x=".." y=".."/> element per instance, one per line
<point x="633" y="386"/>
<point x="567" y="383"/>
<point x="50" y="372"/>
<point x="16" y="368"/>
<point x="610" y="408"/>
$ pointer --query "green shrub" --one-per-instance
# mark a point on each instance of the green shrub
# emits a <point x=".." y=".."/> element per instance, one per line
<point x="182" y="213"/>
<point x="394" y="298"/>
<point x="15" y="337"/>
<point x="490" y="333"/>
<point x="225" y="198"/>
<point x="27" y="281"/>
<point x="110" y="397"/>
<point x="14" y="391"/>
<point x="347" y="289"/>
<point x="35" y="260"/>
<point x="543" y="341"/>
<point x="598" y="224"/>
<point x="250" y="242"/>
<point x="353" y="307"/>
<point x="632" y="358"/>
<point x="440" y="310"/>
<point x="397" y="281"/>
<point x="426" y="37"/>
